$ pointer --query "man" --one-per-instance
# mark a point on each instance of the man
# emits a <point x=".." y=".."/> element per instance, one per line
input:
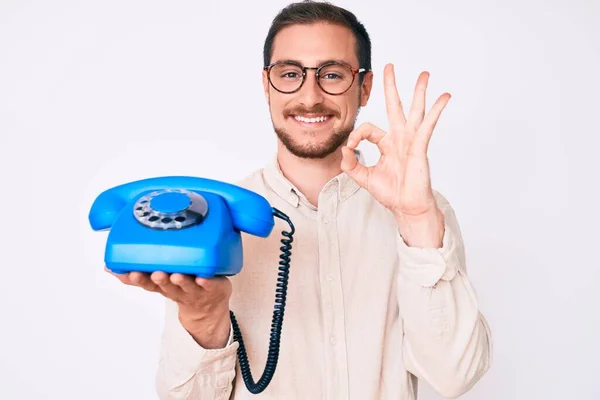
<point x="378" y="295"/>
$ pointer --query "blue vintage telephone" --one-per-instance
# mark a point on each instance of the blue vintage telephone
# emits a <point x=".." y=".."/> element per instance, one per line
<point x="192" y="225"/>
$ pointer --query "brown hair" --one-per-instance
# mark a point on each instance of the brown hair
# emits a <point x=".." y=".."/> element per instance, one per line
<point x="308" y="12"/>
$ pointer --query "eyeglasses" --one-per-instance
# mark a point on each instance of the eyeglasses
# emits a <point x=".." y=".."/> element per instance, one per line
<point x="334" y="78"/>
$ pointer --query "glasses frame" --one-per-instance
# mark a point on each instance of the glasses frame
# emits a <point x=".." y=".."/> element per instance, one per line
<point x="354" y="71"/>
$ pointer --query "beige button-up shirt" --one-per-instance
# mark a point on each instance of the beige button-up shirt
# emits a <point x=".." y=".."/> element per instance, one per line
<point x="366" y="317"/>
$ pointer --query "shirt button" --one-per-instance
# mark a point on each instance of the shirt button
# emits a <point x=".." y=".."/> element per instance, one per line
<point x="332" y="340"/>
<point x="329" y="277"/>
<point x="326" y="220"/>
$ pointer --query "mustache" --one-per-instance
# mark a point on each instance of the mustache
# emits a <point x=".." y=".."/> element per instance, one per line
<point x="317" y="109"/>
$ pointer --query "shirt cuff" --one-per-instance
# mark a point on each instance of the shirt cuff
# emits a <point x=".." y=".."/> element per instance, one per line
<point x="426" y="266"/>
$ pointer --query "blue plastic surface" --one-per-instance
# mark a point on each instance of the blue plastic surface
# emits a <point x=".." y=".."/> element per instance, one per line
<point x="210" y="248"/>
<point x="170" y="202"/>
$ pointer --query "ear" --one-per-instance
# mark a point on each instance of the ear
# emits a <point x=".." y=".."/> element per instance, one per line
<point x="265" y="80"/>
<point x="366" y="87"/>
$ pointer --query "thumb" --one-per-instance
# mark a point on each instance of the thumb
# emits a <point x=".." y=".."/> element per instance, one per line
<point x="355" y="170"/>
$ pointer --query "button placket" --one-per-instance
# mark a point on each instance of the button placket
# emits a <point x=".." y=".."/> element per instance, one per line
<point x="332" y="284"/>
<point x="328" y="300"/>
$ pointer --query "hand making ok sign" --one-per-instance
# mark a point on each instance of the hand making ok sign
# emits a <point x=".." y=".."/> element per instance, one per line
<point x="401" y="180"/>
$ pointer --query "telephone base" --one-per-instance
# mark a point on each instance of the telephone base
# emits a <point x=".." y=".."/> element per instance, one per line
<point x="200" y="272"/>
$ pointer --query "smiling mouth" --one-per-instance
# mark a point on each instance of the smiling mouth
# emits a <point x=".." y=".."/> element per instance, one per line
<point x="318" y="119"/>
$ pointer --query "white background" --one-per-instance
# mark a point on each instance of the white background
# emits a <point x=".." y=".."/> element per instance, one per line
<point x="94" y="94"/>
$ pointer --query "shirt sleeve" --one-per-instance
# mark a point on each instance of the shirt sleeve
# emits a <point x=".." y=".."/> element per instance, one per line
<point x="188" y="371"/>
<point x="447" y="340"/>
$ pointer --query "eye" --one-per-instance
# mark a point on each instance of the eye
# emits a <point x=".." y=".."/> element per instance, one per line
<point x="331" y="76"/>
<point x="335" y="73"/>
<point x="290" y="75"/>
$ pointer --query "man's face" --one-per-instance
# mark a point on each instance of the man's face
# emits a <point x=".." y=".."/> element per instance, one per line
<point x="313" y="45"/>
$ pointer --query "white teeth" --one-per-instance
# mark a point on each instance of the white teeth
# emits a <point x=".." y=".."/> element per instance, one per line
<point x="311" y="120"/>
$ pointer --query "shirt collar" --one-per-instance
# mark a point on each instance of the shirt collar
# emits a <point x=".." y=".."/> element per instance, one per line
<point x="342" y="183"/>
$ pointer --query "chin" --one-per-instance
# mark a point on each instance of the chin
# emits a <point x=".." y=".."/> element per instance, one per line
<point x="322" y="144"/>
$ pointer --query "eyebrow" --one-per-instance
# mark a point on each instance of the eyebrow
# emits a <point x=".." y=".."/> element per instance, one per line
<point x="319" y="62"/>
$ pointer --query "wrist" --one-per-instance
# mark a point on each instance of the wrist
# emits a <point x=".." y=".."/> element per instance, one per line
<point x="209" y="330"/>
<point x="424" y="231"/>
<point x="201" y="315"/>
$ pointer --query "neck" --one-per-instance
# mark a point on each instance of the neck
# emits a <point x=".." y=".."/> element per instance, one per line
<point x="309" y="175"/>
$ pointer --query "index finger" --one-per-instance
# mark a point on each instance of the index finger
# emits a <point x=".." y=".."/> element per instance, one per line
<point x="124" y="278"/>
<point x="369" y="132"/>
<point x="393" y="104"/>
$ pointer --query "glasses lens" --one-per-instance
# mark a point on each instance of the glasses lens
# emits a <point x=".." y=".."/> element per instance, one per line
<point x="335" y="78"/>
<point x="286" y="77"/>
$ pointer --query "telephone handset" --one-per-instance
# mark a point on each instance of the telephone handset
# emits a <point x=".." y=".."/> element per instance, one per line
<point x="192" y="225"/>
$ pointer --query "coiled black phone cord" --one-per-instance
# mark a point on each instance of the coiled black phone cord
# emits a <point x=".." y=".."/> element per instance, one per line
<point x="280" y="296"/>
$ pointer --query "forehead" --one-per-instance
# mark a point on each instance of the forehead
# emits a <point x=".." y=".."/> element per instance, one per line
<point x="315" y="43"/>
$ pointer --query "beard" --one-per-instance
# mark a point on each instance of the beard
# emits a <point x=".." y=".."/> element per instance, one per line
<point x="314" y="149"/>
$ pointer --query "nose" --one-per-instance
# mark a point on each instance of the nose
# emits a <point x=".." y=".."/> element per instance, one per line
<point x="310" y="93"/>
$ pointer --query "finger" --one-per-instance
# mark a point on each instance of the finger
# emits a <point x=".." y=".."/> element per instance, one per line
<point x="423" y="136"/>
<point x="355" y="170"/>
<point x="142" y="280"/>
<point x="210" y="283"/>
<point x="393" y="104"/>
<point x="417" y="108"/>
<point x="164" y="284"/>
<point x="187" y="283"/>
<point x="124" y="278"/>
<point x="368" y="132"/>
